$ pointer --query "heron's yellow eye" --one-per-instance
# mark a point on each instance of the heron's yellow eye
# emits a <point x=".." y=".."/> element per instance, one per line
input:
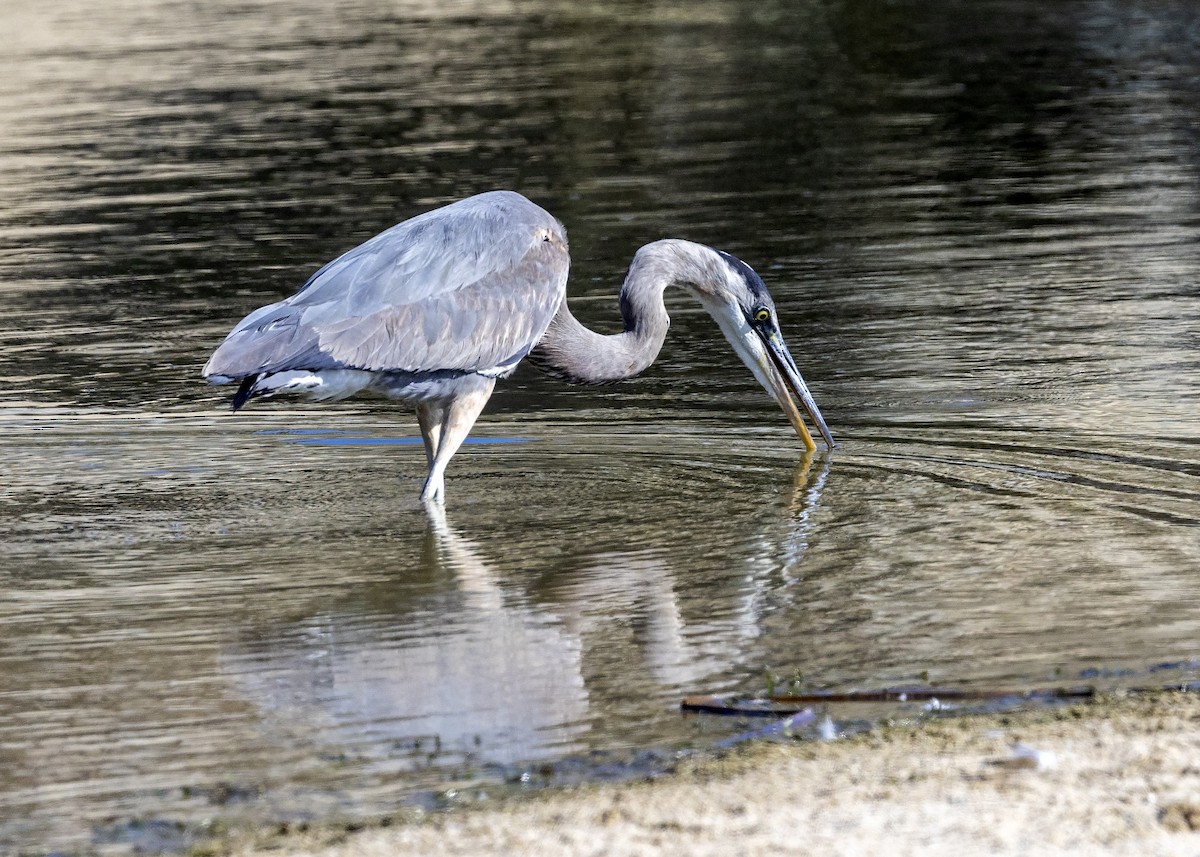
<point x="763" y="314"/>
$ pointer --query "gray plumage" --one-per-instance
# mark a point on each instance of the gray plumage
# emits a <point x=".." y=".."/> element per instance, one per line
<point x="436" y="308"/>
<point x="469" y="287"/>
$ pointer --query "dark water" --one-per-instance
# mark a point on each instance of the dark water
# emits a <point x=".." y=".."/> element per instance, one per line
<point x="979" y="221"/>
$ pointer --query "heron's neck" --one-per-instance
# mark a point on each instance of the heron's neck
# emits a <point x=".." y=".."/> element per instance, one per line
<point x="570" y="351"/>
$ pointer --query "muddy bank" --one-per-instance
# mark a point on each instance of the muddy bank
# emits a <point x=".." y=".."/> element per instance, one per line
<point x="1113" y="777"/>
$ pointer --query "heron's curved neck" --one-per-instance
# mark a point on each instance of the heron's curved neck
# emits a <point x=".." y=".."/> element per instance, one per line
<point x="572" y="352"/>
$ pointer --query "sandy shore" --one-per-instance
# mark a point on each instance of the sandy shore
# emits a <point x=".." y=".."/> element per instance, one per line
<point x="1117" y="777"/>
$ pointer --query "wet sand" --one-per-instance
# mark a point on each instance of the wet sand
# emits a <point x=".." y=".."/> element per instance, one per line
<point x="1120" y="776"/>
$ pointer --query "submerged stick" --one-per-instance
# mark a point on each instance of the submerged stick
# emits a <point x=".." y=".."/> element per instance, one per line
<point x="783" y="705"/>
<point x="778" y="706"/>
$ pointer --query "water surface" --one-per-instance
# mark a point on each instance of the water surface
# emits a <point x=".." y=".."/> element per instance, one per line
<point x="980" y="226"/>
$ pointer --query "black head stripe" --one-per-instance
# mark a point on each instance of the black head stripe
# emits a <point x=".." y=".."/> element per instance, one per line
<point x="753" y="281"/>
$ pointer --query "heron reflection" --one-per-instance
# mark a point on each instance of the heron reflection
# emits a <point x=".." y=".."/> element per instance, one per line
<point x="493" y="668"/>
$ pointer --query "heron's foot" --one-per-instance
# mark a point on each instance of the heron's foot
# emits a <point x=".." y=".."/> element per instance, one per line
<point x="434" y="490"/>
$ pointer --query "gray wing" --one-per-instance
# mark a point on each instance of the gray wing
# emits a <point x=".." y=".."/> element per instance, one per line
<point x="468" y="287"/>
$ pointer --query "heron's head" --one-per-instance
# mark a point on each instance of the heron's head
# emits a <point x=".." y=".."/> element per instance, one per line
<point x="738" y="299"/>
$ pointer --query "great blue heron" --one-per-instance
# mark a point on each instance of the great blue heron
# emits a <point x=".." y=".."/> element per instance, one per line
<point x="438" y="307"/>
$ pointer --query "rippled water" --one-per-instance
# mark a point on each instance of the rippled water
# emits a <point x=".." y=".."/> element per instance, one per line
<point x="980" y="224"/>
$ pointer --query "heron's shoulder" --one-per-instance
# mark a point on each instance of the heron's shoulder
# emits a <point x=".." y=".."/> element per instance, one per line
<point x="499" y="217"/>
<point x="508" y="207"/>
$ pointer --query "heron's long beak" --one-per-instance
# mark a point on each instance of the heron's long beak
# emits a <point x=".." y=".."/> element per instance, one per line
<point x="782" y="379"/>
<point x="768" y="358"/>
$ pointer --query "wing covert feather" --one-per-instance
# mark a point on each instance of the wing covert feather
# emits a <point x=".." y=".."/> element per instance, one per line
<point x="470" y="287"/>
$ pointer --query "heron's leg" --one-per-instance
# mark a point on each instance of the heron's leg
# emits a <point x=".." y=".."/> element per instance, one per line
<point x="429" y="418"/>
<point x="457" y="418"/>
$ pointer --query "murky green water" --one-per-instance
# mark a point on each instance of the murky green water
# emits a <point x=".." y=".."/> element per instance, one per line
<point x="980" y="224"/>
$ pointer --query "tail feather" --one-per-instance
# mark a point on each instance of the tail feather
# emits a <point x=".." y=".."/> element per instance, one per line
<point x="245" y="392"/>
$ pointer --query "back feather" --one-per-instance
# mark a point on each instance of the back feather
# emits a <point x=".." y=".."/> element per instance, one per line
<point x="467" y="287"/>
